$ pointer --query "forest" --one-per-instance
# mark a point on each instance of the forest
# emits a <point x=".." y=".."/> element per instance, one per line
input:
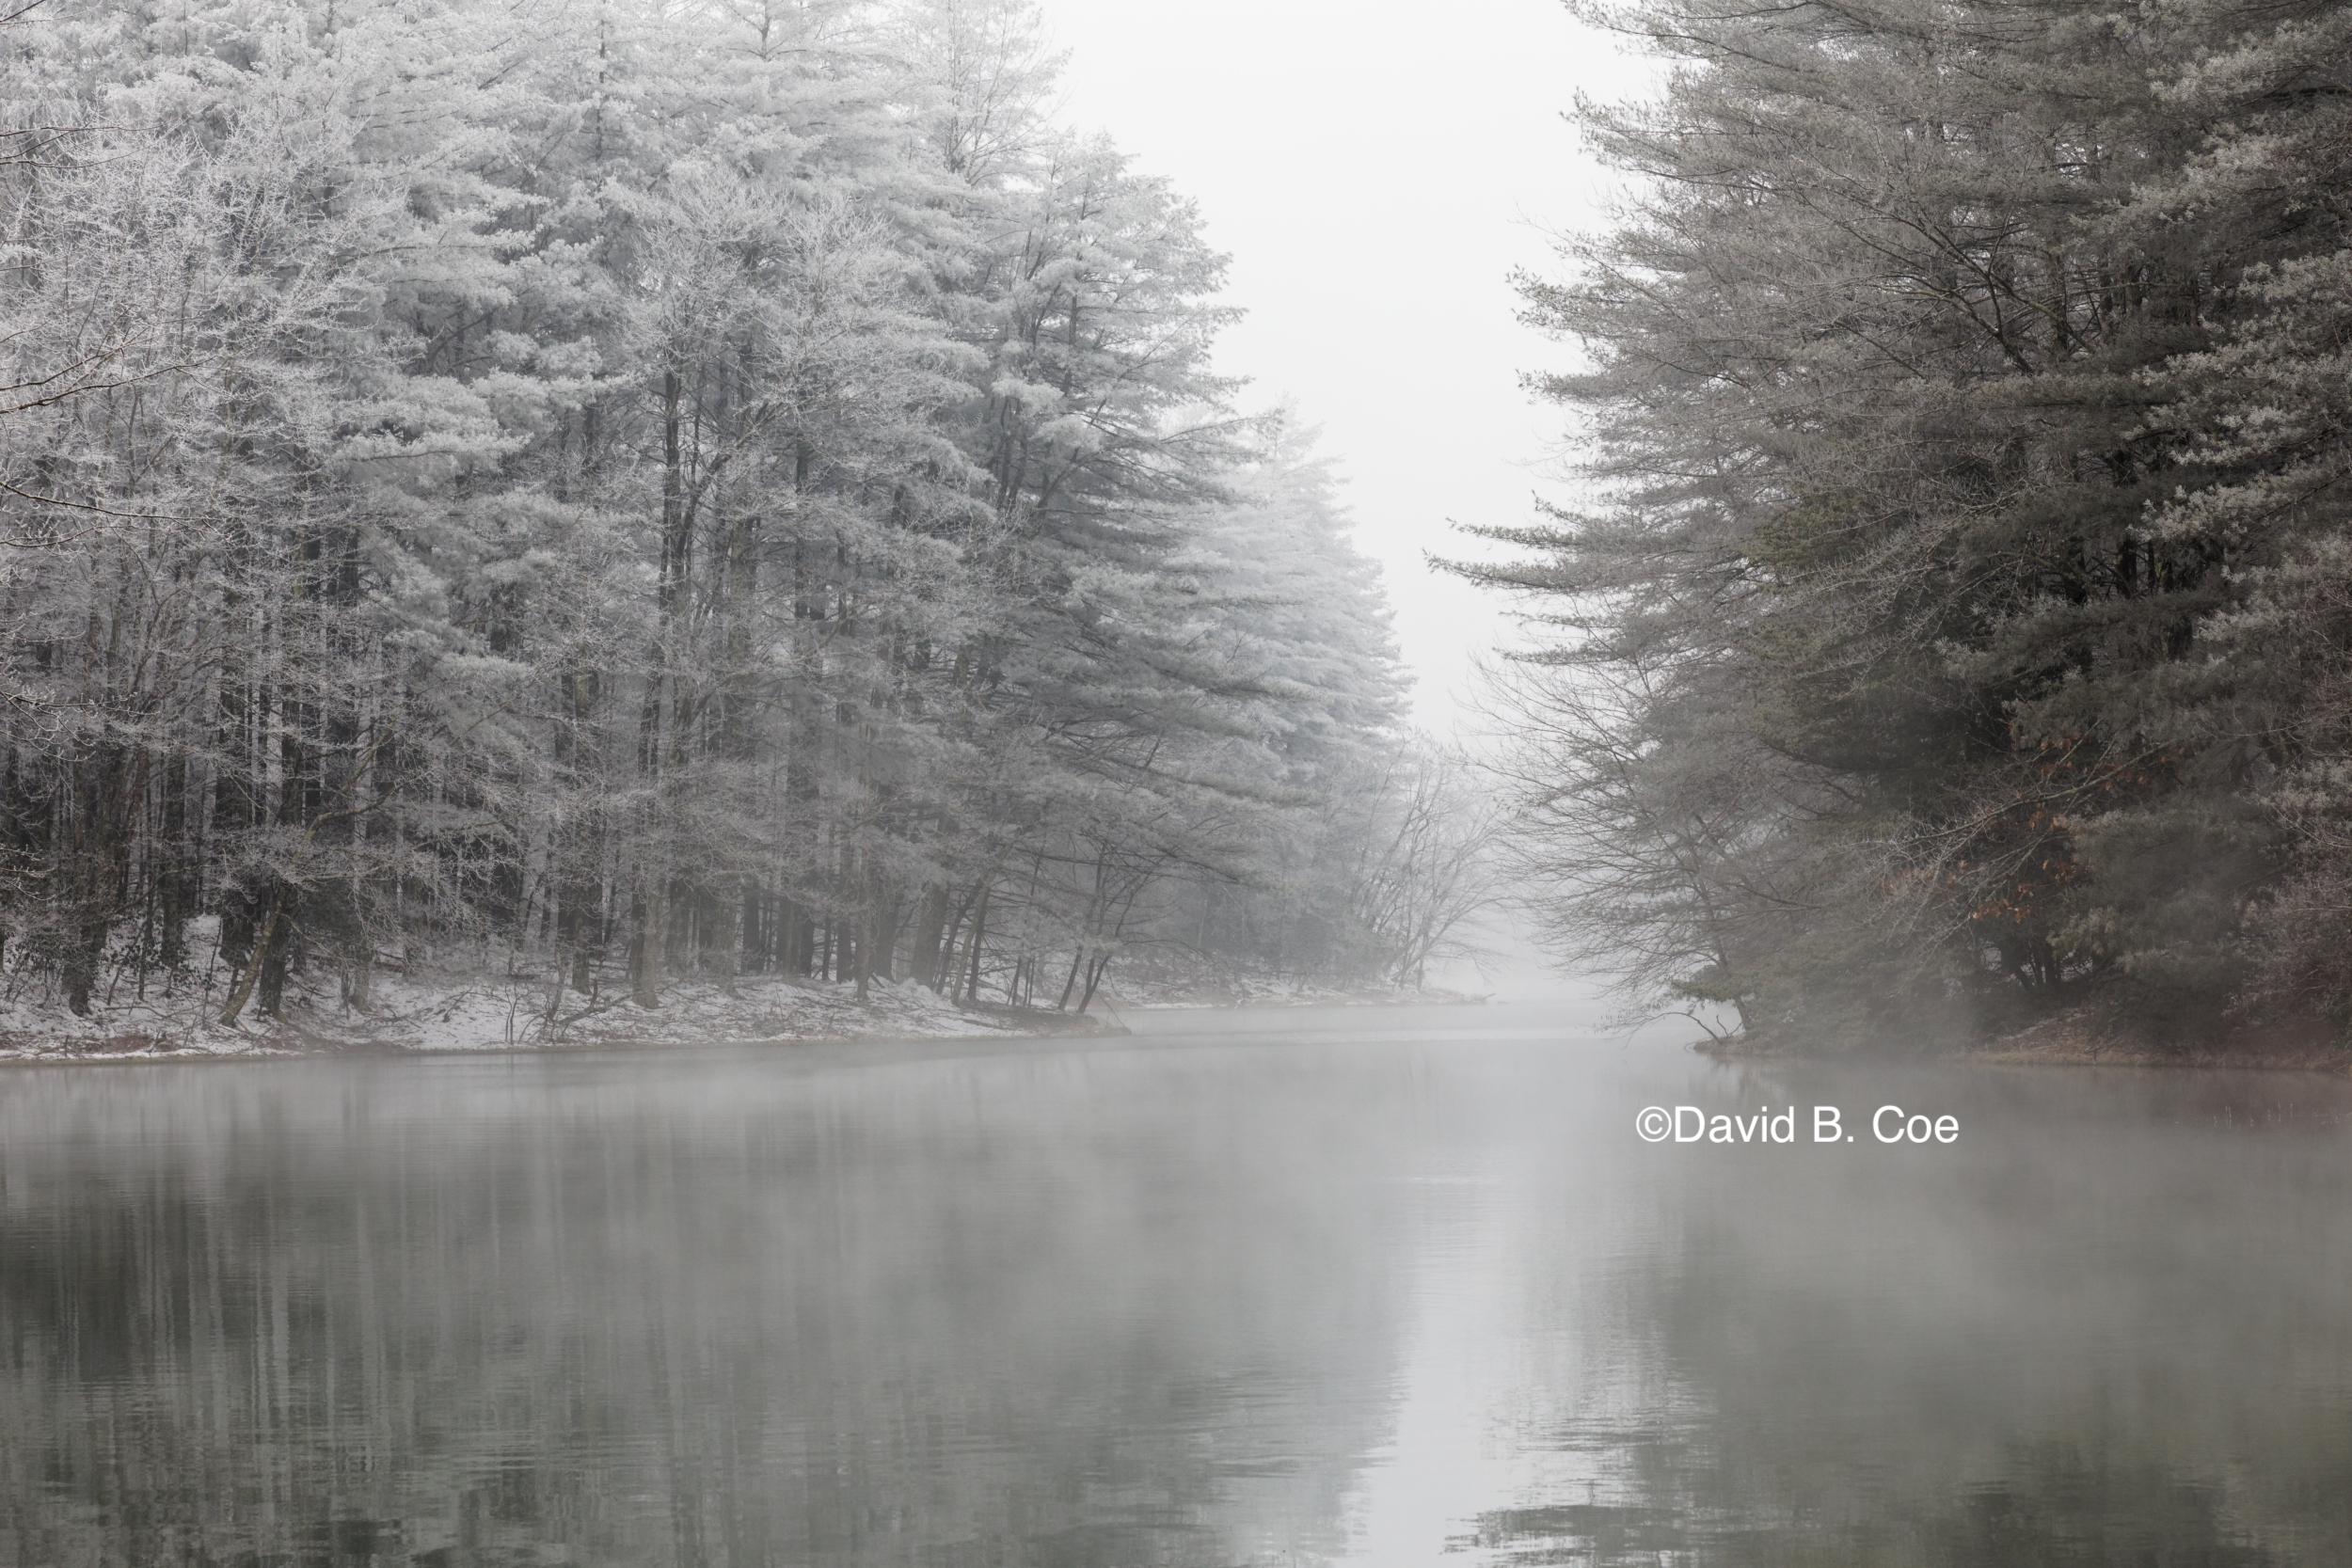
<point x="621" y="494"/>
<point x="624" y="495"/>
<point x="1951" y="623"/>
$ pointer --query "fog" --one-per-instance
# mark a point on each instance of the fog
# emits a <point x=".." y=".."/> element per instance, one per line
<point x="1337" y="1286"/>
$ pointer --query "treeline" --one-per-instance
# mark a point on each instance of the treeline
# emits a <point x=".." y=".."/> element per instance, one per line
<point x="641" y="490"/>
<point x="1958" y="620"/>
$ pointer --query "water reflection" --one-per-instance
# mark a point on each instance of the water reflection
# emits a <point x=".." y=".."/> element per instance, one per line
<point x="2114" y="1325"/>
<point x="940" y="1312"/>
<point x="1316" y="1289"/>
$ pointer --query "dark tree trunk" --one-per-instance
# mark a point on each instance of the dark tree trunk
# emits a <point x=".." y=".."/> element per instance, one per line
<point x="1094" y="979"/>
<point x="980" y="934"/>
<point x="889" y="919"/>
<point x="174" y="863"/>
<point x="257" y="935"/>
<point x="931" y="924"/>
<point x="645" y="946"/>
<point x="756" y="934"/>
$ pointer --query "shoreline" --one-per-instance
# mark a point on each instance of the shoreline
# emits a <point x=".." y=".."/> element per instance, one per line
<point x="262" y="1054"/>
<point x="503" y="1018"/>
<point x="2076" y="1039"/>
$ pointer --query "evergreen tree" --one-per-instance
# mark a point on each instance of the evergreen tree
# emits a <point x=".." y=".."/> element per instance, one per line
<point x="1887" y="671"/>
<point x="642" y="494"/>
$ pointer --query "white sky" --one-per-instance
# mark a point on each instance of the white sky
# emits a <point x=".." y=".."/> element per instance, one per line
<point x="1375" y="171"/>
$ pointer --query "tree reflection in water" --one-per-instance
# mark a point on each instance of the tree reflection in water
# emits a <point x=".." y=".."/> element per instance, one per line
<point x="1169" y="1303"/>
<point x="940" y="1312"/>
<point x="2114" y="1326"/>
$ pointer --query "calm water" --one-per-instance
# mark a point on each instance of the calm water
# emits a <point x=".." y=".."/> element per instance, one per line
<point x="1336" y="1287"/>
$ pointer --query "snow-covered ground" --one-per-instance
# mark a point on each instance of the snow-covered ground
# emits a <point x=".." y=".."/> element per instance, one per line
<point x="447" y="1010"/>
<point x="499" y="1014"/>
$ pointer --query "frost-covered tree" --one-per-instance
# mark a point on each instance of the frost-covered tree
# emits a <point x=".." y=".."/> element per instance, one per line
<point x="1891" y="665"/>
<point x="638" y="493"/>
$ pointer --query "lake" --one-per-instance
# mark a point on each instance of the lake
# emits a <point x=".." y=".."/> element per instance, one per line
<point x="1331" y="1285"/>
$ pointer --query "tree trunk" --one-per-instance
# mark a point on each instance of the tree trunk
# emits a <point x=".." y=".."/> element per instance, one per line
<point x="889" y="920"/>
<point x="719" y="936"/>
<point x="931" y="924"/>
<point x="271" y="959"/>
<point x="172" y="871"/>
<point x="645" y="946"/>
<point x="980" y="933"/>
<point x="265" y="938"/>
<point x="1094" y="979"/>
<point x="865" y="929"/>
<point x="756" y="937"/>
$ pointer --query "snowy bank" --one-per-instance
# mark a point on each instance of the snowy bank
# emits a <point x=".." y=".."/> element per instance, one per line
<point x="499" y="1014"/>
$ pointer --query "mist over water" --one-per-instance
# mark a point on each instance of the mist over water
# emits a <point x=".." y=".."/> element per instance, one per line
<point x="1335" y="1286"/>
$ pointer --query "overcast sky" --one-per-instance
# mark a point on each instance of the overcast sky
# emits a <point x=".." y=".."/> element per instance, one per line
<point x="1376" y="171"/>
